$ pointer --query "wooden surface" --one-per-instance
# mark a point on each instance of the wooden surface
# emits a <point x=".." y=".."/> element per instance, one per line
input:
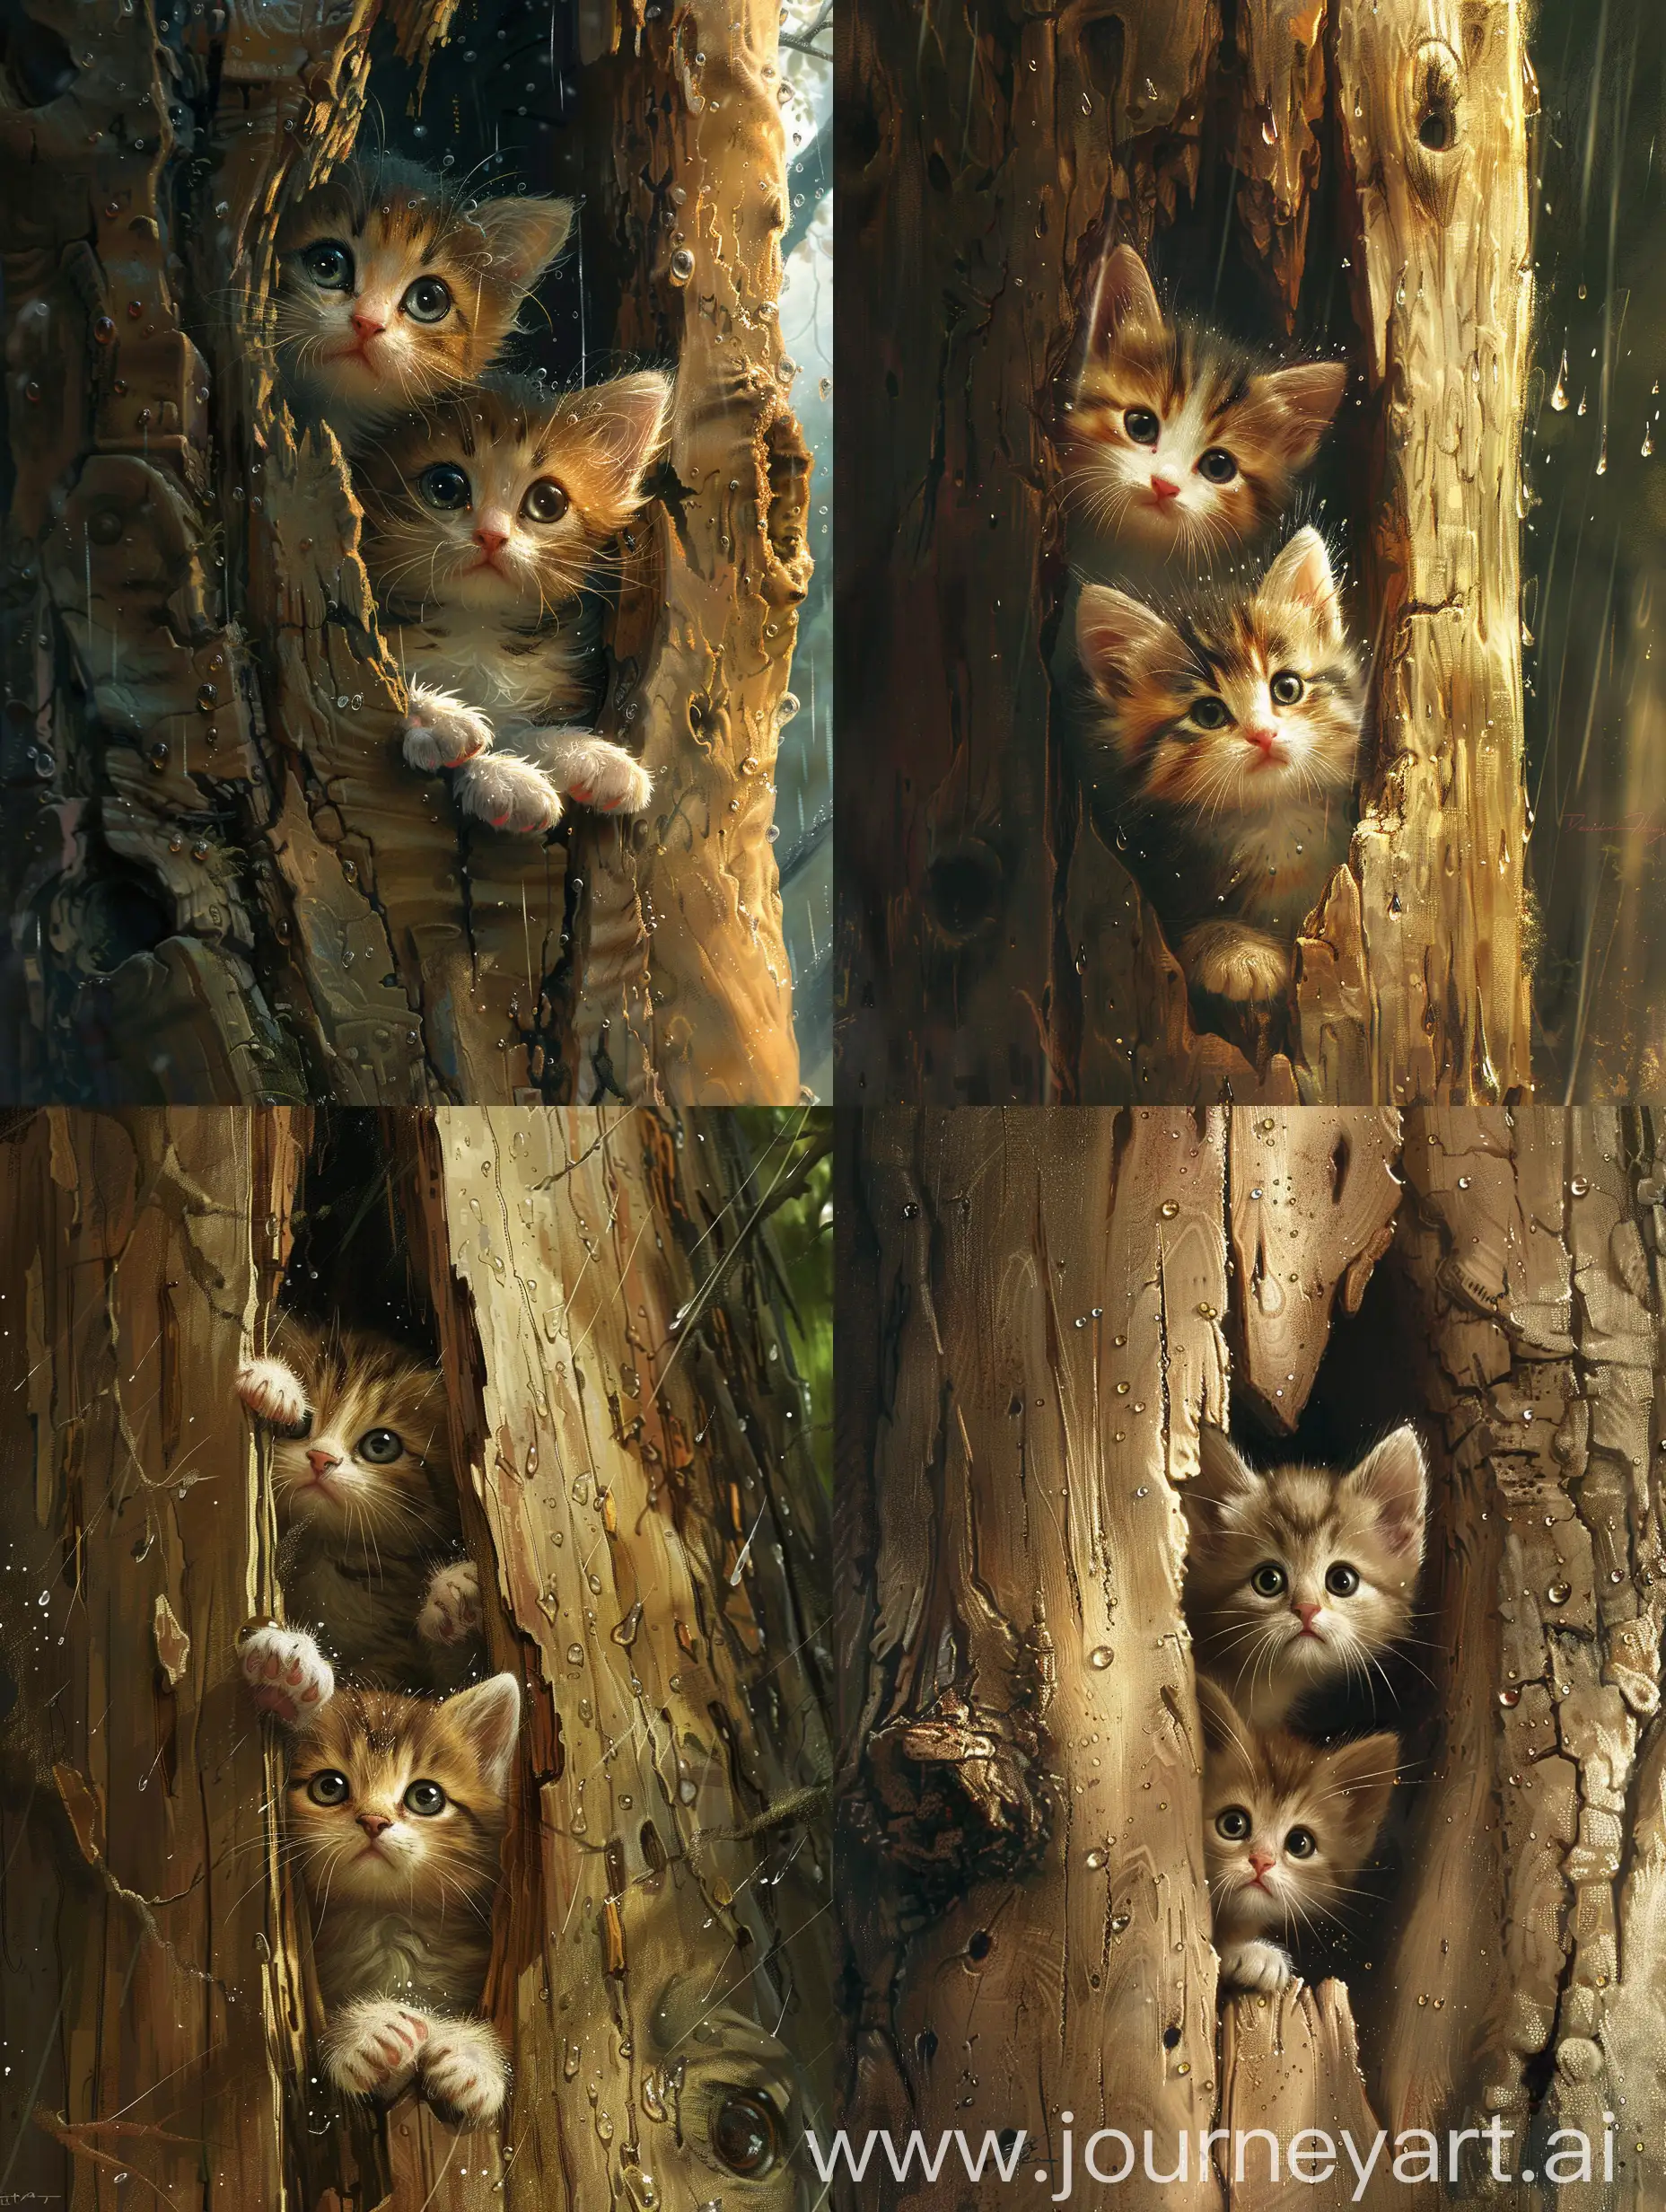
<point x="686" y="992"/>
<point x="1432" y="114"/>
<point x="149" y="2009"/>
<point x="1020" y="1793"/>
<point x="631" y="1429"/>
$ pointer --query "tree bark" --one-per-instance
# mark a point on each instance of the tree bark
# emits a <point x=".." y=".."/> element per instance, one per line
<point x="1039" y="1303"/>
<point x="642" y="1499"/>
<point x="228" y="887"/>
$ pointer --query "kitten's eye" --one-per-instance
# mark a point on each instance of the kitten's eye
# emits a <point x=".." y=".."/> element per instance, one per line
<point x="330" y="1787"/>
<point x="380" y="1446"/>
<point x="426" y="1798"/>
<point x="1301" y="1843"/>
<point x="445" y="485"/>
<point x="1210" y="713"/>
<point x="546" y="502"/>
<point x="1216" y="464"/>
<point x="429" y="300"/>
<point x="329" y="265"/>
<point x="1341" y="1579"/>
<point x="746" y="2133"/>
<point x="1286" y="687"/>
<point x="1234" y="1823"/>
<point x="1269" y="1579"/>
<point x="1142" y="426"/>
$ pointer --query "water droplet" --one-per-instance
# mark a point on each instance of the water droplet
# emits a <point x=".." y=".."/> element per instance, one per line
<point x="1509" y="1697"/>
<point x="1169" y="1209"/>
<point x="1559" y="1594"/>
<point x="682" y="266"/>
<point x="1558" y="397"/>
<point x="1096" y="1858"/>
<point x="1579" y="1185"/>
<point x="1463" y="1183"/>
<point x="1100" y="1656"/>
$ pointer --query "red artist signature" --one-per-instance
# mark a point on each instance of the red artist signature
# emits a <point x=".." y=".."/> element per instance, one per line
<point x="1642" y="826"/>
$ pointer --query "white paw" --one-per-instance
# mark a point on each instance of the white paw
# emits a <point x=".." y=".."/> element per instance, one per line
<point x="1261" y="1967"/>
<point x="273" y="1390"/>
<point x="450" y="1613"/>
<point x="465" y="2072"/>
<point x="598" y="773"/>
<point x="287" y="1673"/>
<point x="442" y="732"/>
<point x="1230" y="961"/>
<point x="509" y="793"/>
<point x="372" y="2049"/>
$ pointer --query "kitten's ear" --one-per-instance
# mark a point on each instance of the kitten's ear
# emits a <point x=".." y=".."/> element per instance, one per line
<point x="1303" y="573"/>
<point x="1307" y="398"/>
<point x="1362" y="1776"/>
<point x="1393" y="1480"/>
<point x="1223" y="1729"/>
<point x="523" y="236"/>
<point x="489" y="1716"/>
<point x="1114" y="632"/>
<point x="1223" y="1480"/>
<point x="624" y="423"/>
<point x="1125" y="298"/>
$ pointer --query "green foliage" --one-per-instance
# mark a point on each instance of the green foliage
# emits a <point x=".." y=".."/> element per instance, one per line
<point x="789" y="1155"/>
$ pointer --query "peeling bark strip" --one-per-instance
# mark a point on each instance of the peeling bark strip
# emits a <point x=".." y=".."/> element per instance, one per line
<point x="227" y="886"/>
<point x="992" y="946"/>
<point x="148" y="1993"/>
<point x="1434" y="111"/>
<point x="686" y="989"/>
<point x="1011" y="1544"/>
<point x="655" y="1532"/>
<point x="1047" y="1334"/>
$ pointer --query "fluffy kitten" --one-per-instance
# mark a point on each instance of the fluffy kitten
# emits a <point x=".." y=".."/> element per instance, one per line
<point x="1296" y="1577"/>
<point x="1220" y="740"/>
<point x="394" y="1811"/>
<point x="1286" y="1828"/>
<point x="486" y="517"/>
<point x="392" y="291"/>
<point x="366" y="1510"/>
<point x="1180" y="445"/>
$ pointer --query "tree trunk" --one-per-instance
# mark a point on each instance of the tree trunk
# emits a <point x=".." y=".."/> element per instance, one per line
<point x="642" y="1499"/>
<point x="228" y="887"/>
<point x="993" y="947"/>
<point x="1044" y="1317"/>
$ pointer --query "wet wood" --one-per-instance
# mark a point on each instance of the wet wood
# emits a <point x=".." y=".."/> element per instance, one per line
<point x="1434" y="121"/>
<point x="151" y="2007"/>
<point x="1290" y="2063"/>
<point x="639" y="1481"/>
<point x="1313" y="1198"/>
<point x="1048" y="1313"/>
<point x="1281" y="53"/>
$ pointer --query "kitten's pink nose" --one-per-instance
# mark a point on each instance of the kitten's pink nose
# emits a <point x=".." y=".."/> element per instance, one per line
<point x="1265" y="739"/>
<point x="489" y="540"/>
<point x="375" y="1823"/>
<point x="1260" y="1861"/>
<point x="321" y="1463"/>
<point x="1309" y="1612"/>
<point x="367" y="326"/>
<point x="1164" y="488"/>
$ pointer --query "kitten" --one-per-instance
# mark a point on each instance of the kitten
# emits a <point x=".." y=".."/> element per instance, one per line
<point x="1297" y="1578"/>
<point x="486" y="517"/>
<point x="1220" y="739"/>
<point x="366" y="1510"/>
<point x="1286" y="1828"/>
<point x="391" y="290"/>
<point x="394" y="1811"/>
<point x="1180" y="445"/>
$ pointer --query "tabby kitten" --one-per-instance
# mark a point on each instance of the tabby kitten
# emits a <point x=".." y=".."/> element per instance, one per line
<point x="393" y="290"/>
<point x="1179" y="446"/>
<point x="486" y="517"/>
<point x="1286" y="1828"/>
<point x="1221" y="738"/>
<point x="394" y="1811"/>
<point x="1298" y="1578"/>
<point x="366" y="1510"/>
